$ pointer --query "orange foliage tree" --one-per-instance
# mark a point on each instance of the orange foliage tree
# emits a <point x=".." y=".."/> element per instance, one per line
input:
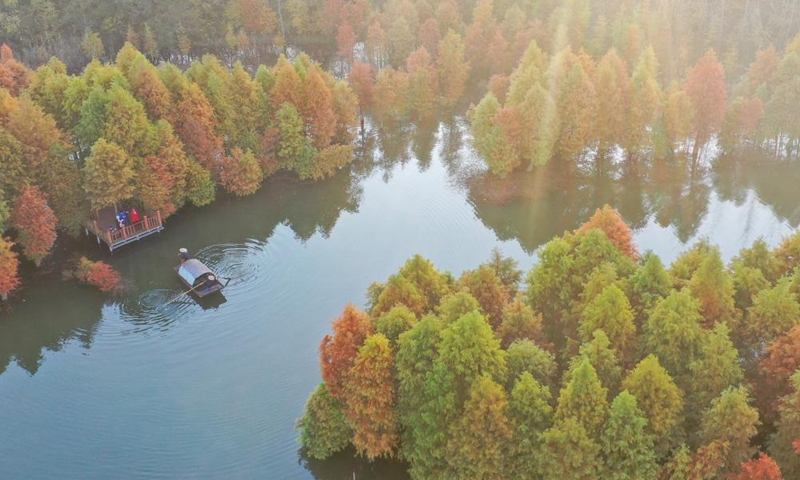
<point x="761" y="468"/>
<point x="782" y="360"/>
<point x="14" y="76"/>
<point x="98" y="274"/>
<point x="610" y="222"/>
<point x="706" y="88"/>
<point x="9" y="278"/>
<point x="362" y="80"/>
<point x="35" y="223"/>
<point x="370" y="399"/>
<point x="337" y="352"/>
<point x="241" y="173"/>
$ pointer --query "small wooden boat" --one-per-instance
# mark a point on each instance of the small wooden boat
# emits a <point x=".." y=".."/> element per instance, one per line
<point x="199" y="278"/>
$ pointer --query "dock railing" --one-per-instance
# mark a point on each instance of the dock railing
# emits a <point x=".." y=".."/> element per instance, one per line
<point x="127" y="233"/>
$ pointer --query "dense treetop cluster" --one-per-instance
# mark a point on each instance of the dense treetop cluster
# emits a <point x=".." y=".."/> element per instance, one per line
<point x="603" y="363"/>
<point x="680" y="31"/>
<point x="160" y="137"/>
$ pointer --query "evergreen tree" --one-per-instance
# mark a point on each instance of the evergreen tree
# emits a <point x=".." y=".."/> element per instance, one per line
<point x="568" y="453"/>
<point x="732" y="420"/>
<point x="108" y="175"/>
<point x="774" y="312"/>
<point x="456" y="305"/>
<point x="612" y="313"/>
<point x="525" y="356"/>
<point x="712" y="285"/>
<point x="479" y="439"/>
<point x="648" y="284"/>
<point x="673" y="332"/>
<point x="395" y="322"/>
<point x="519" y="322"/>
<point x="530" y="413"/>
<point x="488" y="290"/>
<point x="126" y="123"/>
<point x="602" y="357"/>
<point x="469" y="349"/>
<point x="584" y="399"/>
<point x="399" y="291"/>
<point x="430" y="283"/>
<point x="294" y="147"/>
<point x="323" y="427"/>
<point x="416" y="351"/>
<point x="626" y="447"/>
<point x="717" y="368"/>
<point x="658" y="396"/>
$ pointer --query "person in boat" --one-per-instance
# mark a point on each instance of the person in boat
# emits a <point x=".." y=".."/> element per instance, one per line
<point x="135" y="217"/>
<point x="183" y="254"/>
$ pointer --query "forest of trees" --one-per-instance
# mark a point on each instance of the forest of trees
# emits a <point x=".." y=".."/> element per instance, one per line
<point x="602" y="363"/>
<point x="681" y="31"/>
<point x="160" y="137"/>
<point x="567" y="104"/>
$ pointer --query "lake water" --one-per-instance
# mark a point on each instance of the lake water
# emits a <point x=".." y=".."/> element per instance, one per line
<point x="95" y="387"/>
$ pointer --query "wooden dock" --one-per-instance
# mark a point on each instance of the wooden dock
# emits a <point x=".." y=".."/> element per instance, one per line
<point x="119" y="237"/>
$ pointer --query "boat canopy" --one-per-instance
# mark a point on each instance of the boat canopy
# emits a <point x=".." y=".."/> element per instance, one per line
<point x="193" y="270"/>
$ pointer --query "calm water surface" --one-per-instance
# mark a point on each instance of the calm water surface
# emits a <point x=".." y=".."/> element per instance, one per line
<point x="93" y="387"/>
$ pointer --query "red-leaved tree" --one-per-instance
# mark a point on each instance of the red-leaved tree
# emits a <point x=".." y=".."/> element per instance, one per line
<point x="761" y="468"/>
<point x="99" y="274"/>
<point x="610" y="222"/>
<point x="337" y="352"/>
<point x="35" y="223"/>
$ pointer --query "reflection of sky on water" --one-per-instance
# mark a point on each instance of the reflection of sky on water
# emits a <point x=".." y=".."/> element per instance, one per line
<point x="725" y="224"/>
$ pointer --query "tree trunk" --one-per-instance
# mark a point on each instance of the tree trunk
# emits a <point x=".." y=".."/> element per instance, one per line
<point x="696" y="148"/>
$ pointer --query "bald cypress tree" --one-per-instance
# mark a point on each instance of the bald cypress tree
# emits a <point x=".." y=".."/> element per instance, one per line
<point x="323" y="427"/>
<point x="612" y="313"/>
<point x="369" y="398"/>
<point x="416" y="352"/>
<point x="108" y="175"/>
<point x="480" y="438"/>
<point x="717" y="368"/>
<point x="531" y="413"/>
<point x="568" y="452"/>
<point x="584" y="399"/>
<point x="627" y="449"/>
<point x="731" y="419"/>
<point x="657" y="395"/>
<point x="673" y="332"/>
